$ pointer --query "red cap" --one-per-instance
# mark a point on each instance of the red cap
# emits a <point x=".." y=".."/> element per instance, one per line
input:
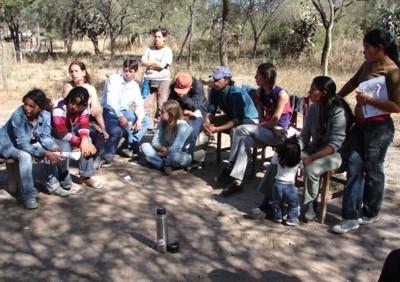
<point x="183" y="82"/>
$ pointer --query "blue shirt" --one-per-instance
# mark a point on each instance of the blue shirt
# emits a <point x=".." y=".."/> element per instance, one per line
<point x="20" y="133"/>
<point x="234" y="102"/>
<point x="181" y="141"/>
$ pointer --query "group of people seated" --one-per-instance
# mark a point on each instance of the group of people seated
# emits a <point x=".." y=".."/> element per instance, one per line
<point x="331" y="138"/>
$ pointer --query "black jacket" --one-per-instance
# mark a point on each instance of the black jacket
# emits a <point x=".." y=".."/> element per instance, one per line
<point x="194" y="100"/>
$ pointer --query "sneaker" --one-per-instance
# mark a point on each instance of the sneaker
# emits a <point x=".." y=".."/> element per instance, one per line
<point x="31" y="204"/>
<point x="168" y="170"/>
<point x="61" y="192"/>
<point x="107" y="164"/>
<point x="292" y="222"/>
<point x="255" y="214"/>
<point x="310" y="214"/>
<point x="367" y="220"/>
<point x="277" y="220"/>
<point x="345" y="225"/>
<point x="125" y="152"/>
<point x="66" y="183"/>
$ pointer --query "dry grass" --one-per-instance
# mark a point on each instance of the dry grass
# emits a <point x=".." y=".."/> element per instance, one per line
<point x="52" y="73"/>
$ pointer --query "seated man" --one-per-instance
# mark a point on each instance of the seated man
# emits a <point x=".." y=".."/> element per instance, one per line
<point x="70" y="118"/>
<point x="236" y="104"/>
<point x="189" y="93"/>
<point x="123" y="111"/>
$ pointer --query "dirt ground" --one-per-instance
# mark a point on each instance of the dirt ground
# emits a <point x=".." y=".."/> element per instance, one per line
<point x="109" y="235"/>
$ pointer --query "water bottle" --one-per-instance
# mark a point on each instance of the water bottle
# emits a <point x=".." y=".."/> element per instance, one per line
<point x="162" y="230"/>
<point x="71" y="155"/>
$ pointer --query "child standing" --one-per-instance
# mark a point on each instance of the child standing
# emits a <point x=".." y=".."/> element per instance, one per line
<point x="287" y="159"/>
<point x="173" y="141"/>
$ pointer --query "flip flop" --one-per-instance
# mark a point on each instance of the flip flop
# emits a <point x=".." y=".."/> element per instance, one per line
<point x="90" y="182"/>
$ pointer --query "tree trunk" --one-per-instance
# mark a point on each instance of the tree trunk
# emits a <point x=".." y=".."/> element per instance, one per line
<point x="38" y="41"/>
<point x="112" y="43"/>
<point x="192" y="16"/>
<point x="3" y="63"/>
<point x="14" y="30"/>
<point x="95" y="42"/>
<point x="328" y="39"/>
<point x="255" y="43"/>
<point x="223" y="46"/>
<point x="51" y="45"/>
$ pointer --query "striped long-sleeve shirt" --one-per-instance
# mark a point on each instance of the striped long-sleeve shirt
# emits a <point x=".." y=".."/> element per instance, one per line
<point x="65" y="125"/>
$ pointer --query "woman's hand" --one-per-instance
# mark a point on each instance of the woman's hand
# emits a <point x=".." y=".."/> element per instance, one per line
<point x="87" y="148"/>
<point x="137" y="126"/>
<point x="53" y="157"/>
<point x="362" y="98"/>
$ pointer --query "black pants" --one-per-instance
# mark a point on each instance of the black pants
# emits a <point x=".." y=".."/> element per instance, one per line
<point x="391" y="267"/>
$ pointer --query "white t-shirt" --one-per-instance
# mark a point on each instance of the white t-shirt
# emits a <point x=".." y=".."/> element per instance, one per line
<point x="285" y="175"/>
<point x="164" y="56"/>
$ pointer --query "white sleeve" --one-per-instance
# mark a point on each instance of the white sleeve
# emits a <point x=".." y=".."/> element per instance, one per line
<point x="110" y="95"/>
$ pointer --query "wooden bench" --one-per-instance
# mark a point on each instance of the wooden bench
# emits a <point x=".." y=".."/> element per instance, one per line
<point x="12" y="174"/>
<point x="326" y="193"/>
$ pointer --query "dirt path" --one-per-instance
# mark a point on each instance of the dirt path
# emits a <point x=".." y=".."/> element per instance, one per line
<point x="108" y="236"/>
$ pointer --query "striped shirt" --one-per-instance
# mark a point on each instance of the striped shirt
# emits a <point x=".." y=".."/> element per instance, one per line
<point x="65" y="124"/>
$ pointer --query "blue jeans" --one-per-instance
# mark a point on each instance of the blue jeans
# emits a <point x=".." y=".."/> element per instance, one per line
<point x="27" y="190"/>
<point x="59" y="175"/>
<point x="365" y="185"/>
<point x="178" y="159"/>
<point x="285" y="192"/>
<point x="116" y="132"/>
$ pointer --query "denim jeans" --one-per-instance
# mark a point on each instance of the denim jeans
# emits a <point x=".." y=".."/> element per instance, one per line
<point x="145" y="88"/>
<point x="365" y="185"/>
<point x="27" y="190"/>
<point x="285" y="192"/>
<point x="178" y="159"/>
<point x="60" y="173"/>
<point x="116" y="132"/>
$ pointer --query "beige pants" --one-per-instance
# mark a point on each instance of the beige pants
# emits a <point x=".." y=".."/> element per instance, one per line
<point x="154" y="101"/>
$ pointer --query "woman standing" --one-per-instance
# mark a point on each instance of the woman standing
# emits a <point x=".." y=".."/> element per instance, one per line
<point x="173" y="141"/>
<point x="157" y="60"/>
<point x="26" y="135"/>
<point x="371" y="136"/>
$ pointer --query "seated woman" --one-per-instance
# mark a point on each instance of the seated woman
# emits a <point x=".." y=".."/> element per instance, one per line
<point x="172" y="144"/>
<point x="81" y="77"/>
<point x="327" y="122"/>
<point x="274" y="108"/>
<point x="70" y="118"/>
<point x="25" y="135"/>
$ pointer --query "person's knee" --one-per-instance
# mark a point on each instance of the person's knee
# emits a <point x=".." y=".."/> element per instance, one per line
<point x="355" y="163"/>
<point x="24" y="157"/>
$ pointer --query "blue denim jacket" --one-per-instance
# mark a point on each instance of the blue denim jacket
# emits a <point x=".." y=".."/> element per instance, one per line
<point x="20" y="133"/>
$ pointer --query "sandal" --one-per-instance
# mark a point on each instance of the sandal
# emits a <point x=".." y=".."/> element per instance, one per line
<point x="90" y="182"/>
<point x="77" y="190"/>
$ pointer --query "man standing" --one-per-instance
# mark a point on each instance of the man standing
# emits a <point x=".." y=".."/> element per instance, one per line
<point x="123" y="111"/>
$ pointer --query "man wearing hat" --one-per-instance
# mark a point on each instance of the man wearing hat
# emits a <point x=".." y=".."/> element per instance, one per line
<point x="237" y="106"/>
<point x="189" y="93"/>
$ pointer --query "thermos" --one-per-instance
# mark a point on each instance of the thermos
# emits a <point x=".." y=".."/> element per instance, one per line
<point x="162" y="230"/>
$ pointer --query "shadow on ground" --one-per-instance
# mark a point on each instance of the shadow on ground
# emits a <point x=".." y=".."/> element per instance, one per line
<point x="109" y="235"/>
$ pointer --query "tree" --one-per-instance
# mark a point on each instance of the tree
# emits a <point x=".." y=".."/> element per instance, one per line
<point x="223" y="43"/>
<point x="389" y="19"/>
<point x="189" y="35"/>
<point x="3" y="50"/>
<point x="329" y="16"/>
<point x="259" y="13"/>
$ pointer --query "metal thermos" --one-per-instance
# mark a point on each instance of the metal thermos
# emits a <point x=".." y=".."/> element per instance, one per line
<point x="162" y="230"/>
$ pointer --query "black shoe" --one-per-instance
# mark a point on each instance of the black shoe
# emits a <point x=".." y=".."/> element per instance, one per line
<point x="224" y="177"/>
<point x="231" y="189"/>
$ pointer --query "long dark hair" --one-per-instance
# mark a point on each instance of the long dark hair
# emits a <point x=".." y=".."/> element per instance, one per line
<point x="39" y="98"/>
<point x="174" y="111"/>
<point x="289" y="152"/>
<point x="329" y="101"/>
<point x="387" y="40"/>
<point x="78" y="95"/>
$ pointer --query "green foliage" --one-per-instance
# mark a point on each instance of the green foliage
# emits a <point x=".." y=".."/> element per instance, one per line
<point x="389" y="19"/>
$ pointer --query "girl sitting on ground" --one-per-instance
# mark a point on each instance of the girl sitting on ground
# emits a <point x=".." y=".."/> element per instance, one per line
<point x="172" y="144"/>
<point x="287" y="159"/>
<point x="26" y="135"/>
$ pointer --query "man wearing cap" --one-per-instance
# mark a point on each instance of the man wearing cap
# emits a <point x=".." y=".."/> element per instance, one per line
<point x="189" y="93"/>
<point x="236" y="104"/>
